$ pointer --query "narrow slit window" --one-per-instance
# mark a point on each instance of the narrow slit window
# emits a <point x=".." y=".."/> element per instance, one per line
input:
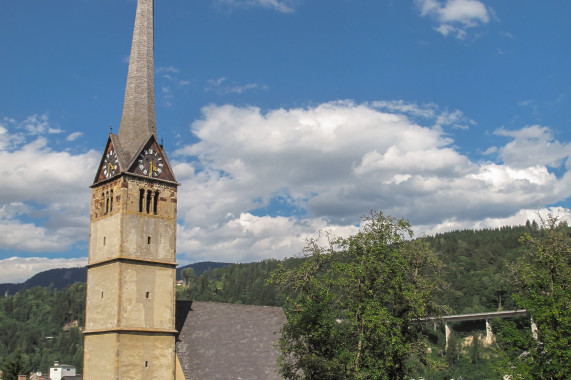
<point x="149" y="195"/>
<point x="156" y="203"/>
<point x="104" y="240"/>
<point x="148" y="295"/>
<point x="141" y="199"/>
<point x="146" y="364"/>
<point x="101" y="295"/>
<point x="111" y="202"/>
<point x="107" y="203"/>
<point x="148" y="240"/>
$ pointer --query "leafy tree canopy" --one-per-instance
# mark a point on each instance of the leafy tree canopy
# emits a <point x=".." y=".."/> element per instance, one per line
<point x="543" y="276"/>
<point x="356" y="304"/>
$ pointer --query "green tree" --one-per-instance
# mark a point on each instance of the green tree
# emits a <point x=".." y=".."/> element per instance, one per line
<point x="356" y="304"/>
<point x="543" y="273"/>
<point x="475" y="349"/>
<point x="14" y="366"/>
<point x="189" y="276"/>
<point x="453" y="350"/>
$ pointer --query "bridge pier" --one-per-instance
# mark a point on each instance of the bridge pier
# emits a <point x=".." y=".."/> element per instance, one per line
<point x="489" y="333"/>
<point x="447" y="333"/>
<point x="533" y="328"/>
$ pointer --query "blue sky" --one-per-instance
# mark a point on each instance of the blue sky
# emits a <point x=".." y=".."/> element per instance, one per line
<point x="286" y="118"/>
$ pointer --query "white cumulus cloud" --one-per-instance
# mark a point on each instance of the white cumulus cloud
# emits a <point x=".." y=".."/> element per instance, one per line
<point x="534" y="145"/>
<point x="283" y="6"/>
<point x="329" y="164"/>
<point x="44" y="194"/>
<point x="258" y="183"/>
<point x="455" y="17"/>
<point x="74" y="136"/>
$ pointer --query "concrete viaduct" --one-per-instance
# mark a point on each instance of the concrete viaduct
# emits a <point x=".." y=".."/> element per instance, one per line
<point x="478" y="317"/>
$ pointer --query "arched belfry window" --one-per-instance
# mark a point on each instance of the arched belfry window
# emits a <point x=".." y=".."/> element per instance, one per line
<point x="149" y="196"/>
<point x="141" y="199"/>
<point x="111" y="202"/>
<point x="148" y="201"/>
<point x="107" y="203"/>
<point x="156" y="203"/>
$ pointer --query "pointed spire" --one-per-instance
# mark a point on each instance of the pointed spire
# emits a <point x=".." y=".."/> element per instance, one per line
<point x="138" y="120"/>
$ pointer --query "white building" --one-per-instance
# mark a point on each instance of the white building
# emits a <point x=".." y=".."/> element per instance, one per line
<point x="58" y="371"/>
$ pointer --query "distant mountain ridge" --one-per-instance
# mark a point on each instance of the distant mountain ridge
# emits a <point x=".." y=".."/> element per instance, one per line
<point x="60" y="278"/>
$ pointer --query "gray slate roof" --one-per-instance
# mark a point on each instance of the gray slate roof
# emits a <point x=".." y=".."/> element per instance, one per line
<point x="227" y="341"/>
<point x="138" y="120"/>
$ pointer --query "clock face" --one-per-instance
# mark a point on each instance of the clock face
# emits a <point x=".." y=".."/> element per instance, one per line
<point x="110" y="164"/>
<point x="151" y="163"/>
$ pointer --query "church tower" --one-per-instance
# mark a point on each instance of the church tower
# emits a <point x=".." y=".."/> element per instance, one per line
<point x="130" y="326"/>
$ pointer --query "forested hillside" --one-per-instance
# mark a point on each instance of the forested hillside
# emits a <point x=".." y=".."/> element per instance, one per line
<point x="62" y="277"/>
<point x="476" y="268"/>
<point x="58" y="278"/>
<point x="40" y="325"/>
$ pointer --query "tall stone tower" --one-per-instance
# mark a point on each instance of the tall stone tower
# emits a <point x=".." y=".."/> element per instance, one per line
<point x="130" y="326"/>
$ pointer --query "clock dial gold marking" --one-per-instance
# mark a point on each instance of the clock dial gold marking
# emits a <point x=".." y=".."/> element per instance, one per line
<point x="110" y="164"/>
<point x="150" y="163"/>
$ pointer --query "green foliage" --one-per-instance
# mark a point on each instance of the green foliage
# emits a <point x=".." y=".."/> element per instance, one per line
<point x="476" y="266"/>
<point x="15" y="365"/>
<point x="543" y="275"/>
<point x="356" y="304"/>
<point x="453" y="350"/>
<point x="188" y="276"/>
<point x="43" y="324"/>
<point x="475" y="349"/>
<point x="238" y="283"/>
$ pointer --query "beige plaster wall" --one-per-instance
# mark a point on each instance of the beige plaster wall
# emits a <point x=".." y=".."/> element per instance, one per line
<point x="130" y="295"/>
<point x="104" y="238"/>
<point x="129" y="356"/>
<point x="157" y="351"/>
<point x="100" y="360"/>
<point x="138" y="230"/>
<point x="154" y="312"/>
<point x="102" y="304"/>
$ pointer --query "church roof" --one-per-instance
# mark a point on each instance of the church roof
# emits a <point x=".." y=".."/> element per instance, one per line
<point x="228" y="341"/>
<point x="138" y="121"/>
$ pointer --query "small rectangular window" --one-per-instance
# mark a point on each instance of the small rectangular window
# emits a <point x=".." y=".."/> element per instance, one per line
<point x="148" y="240"/>
<point x="148" y="295"/>
<point x="146" y="364"/>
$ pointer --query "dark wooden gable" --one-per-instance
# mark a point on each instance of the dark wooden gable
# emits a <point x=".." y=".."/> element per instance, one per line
<point x="103" y="172"/>
<point x="152" y="154"/>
